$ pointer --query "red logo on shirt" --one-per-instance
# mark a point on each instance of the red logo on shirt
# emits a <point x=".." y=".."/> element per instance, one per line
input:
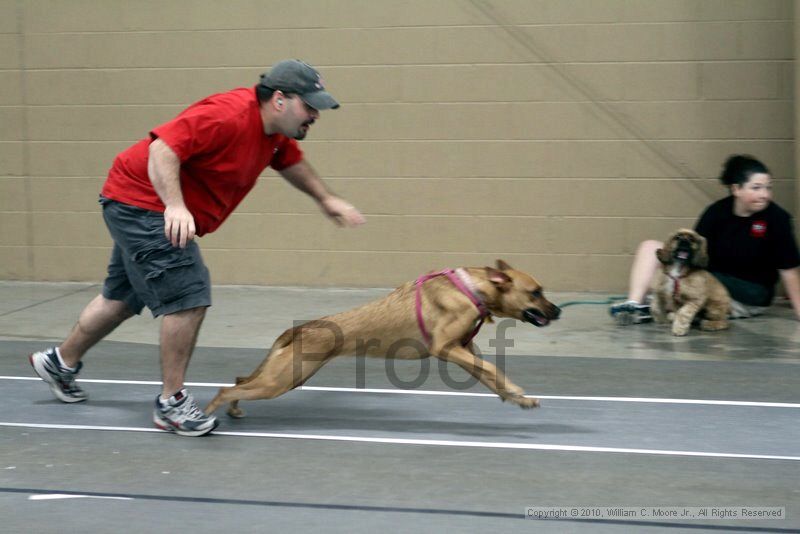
<point x="758" y="229"/>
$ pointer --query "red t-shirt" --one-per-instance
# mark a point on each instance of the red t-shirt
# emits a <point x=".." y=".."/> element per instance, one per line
<point x="222" y="147"/>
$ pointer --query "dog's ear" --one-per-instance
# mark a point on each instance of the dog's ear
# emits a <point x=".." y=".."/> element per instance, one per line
<point x="499" y="279"/>
<point x="503" y="266"/>
<point x="700" y="258"/>
<point x="663" y="256"/>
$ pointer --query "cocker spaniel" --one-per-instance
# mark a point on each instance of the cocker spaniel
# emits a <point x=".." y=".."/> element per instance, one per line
<point x="683" y="289"/>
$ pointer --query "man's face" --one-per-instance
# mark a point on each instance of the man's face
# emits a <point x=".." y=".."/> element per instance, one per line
<point x="296" y="117"/>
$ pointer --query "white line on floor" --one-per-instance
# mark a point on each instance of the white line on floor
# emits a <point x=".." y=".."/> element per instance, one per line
<point x="57" y="496"/>
<point x="430" y="442"/>
<point x="451" y="393"/>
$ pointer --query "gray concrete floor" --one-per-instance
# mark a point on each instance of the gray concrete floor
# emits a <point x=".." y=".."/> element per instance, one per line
<point x="631" y="417"/>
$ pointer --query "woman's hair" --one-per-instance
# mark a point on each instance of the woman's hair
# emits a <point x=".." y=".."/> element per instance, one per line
<point x="739" y="168"/>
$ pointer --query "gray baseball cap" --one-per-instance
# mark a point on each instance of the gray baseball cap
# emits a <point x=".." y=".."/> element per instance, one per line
<point x="295" y="76"/>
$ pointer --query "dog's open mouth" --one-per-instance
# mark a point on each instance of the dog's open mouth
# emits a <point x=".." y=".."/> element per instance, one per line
<point x="534" y="316"/>
<point x="682" y="254"/>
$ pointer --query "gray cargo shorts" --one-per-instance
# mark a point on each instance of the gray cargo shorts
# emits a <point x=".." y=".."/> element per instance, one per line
<point x="145" y="269"/>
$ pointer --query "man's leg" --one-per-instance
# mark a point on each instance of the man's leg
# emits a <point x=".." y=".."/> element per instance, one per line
<point x="175" y="409"/>
<point x="100" y="317"/>
<point x="174" y="283"/>
<point x="178" y="337"/>
<point x="59" y="366"/>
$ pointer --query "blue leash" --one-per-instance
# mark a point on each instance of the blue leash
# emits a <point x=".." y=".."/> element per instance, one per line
<point x="609" y="300"/>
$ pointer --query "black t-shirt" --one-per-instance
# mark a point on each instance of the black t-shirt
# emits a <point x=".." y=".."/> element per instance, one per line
<point x="751" y="248"/>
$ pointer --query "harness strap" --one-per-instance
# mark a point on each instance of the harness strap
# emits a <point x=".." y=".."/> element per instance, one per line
<point x="463" y="283"/>
<point x="676" y="287"/>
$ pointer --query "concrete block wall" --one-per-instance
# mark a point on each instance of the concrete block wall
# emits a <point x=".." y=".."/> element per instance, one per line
<point x="555" y="134"/>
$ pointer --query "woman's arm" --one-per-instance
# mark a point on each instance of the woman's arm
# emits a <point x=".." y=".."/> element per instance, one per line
<point x="791" y="283"/>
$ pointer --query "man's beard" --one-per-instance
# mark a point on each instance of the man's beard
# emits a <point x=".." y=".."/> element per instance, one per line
<point x="302" y="131"/>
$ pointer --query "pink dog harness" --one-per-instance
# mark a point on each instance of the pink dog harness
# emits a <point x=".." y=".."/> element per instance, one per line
<point x="676" y="285"/>
<point x="462" y="281"/>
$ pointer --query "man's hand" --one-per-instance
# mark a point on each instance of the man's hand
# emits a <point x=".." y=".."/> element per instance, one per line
<point x="342" y="212"/>
<point x="305" y="178"/>
<point x="178" y="225"/>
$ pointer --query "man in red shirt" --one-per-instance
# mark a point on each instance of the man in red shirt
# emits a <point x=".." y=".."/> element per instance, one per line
<point x="183" y="181"/>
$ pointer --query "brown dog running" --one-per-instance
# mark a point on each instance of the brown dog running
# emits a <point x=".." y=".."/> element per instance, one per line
<point x="683" y="289"/>
<point x="391" y="328"/>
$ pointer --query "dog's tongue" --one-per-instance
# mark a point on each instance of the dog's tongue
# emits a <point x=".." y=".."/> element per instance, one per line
<point x="536" y="318"/>
<point x="682" y="254"/>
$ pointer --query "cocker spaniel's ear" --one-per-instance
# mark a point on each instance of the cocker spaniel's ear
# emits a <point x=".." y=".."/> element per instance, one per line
<point x="700" y="257"/>
<point x="664" y="256"/>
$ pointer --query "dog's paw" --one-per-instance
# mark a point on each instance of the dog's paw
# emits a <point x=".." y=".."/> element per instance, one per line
<point x="712" y="326"/>
<point x="236" y="413"/>
<point x="523" y="402"/>
<point x="679" y="330"/>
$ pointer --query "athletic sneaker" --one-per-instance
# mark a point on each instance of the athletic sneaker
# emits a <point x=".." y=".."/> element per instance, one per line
<point x="743" y="311"/>
<point x="46" y="364"/>
<point x="181" y="415"/>
<point x="630" y="312"/>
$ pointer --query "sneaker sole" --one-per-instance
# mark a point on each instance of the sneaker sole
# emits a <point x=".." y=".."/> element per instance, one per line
<point x="623" y="318"/>
<point x="54" y="387"/>
<point x="160" y="423"/>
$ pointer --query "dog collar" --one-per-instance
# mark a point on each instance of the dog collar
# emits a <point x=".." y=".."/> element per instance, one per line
<point x="464" y="283"/>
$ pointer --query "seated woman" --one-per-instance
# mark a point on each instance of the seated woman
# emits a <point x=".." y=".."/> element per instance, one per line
<point x="750" y="243"/>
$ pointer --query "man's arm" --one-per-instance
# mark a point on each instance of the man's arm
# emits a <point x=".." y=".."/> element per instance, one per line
<point x="791" y="284"/>
<point x="303" y="176"/>
<point x="163" y="168"/>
